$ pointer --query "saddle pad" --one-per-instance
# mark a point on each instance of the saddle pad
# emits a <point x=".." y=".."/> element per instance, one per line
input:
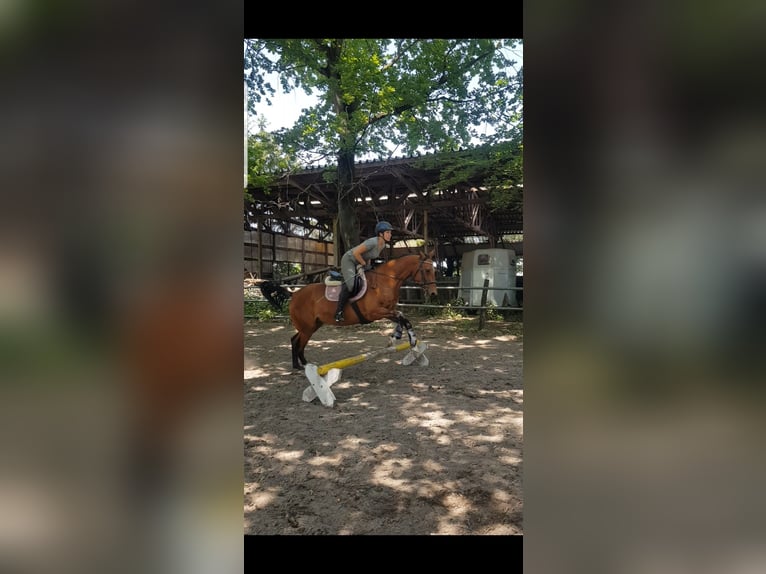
<point x="332" y="289"/>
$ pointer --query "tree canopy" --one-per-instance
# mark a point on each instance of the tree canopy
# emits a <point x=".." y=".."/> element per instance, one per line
<point x="265" y="159"/>
<point x="378" y="95"/>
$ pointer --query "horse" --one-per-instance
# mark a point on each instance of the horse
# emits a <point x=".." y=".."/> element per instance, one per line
<point x="310" y="309"/>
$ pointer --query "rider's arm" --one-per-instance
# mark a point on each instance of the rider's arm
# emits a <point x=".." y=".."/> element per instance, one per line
<point x="358" y="250"/>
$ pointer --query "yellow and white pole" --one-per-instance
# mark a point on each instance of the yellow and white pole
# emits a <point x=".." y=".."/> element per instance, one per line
<point x="343" y="363"/>
<point x="322" y="377"/>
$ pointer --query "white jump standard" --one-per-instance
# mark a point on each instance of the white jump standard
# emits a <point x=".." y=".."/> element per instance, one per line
<point x="322" y="377"/>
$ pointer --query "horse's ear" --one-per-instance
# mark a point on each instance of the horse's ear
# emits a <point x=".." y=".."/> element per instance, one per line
<point x="432" y="253"/>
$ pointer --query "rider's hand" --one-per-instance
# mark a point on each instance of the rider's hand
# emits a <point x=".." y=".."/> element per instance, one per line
<point x="359" y="267"/>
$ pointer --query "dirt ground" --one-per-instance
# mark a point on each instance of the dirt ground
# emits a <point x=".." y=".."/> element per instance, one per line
<point x="405" y="450"/>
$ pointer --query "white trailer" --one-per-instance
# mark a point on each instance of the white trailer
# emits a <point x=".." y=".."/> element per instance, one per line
<point x="497" y="265"/>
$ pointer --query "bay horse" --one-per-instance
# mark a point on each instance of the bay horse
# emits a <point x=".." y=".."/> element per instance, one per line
<point x="310" y="309"/>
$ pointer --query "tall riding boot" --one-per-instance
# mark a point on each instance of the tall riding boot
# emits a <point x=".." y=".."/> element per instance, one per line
<point x="342" y="299"/>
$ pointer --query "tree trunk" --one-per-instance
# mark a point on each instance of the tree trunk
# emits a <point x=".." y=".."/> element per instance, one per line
<point x="348" y="220"/>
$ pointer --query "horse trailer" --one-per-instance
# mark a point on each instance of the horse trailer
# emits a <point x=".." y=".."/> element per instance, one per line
<point x="497" y="265"/>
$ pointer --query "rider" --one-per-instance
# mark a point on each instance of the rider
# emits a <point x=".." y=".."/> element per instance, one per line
<point x="358" y="258"/>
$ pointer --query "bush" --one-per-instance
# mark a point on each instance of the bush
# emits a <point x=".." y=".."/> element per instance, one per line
<point x="261" y="311"/>
<point x="493" y="314"/>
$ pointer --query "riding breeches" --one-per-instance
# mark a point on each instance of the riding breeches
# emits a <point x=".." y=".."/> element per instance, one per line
<point x="348" y="267"/>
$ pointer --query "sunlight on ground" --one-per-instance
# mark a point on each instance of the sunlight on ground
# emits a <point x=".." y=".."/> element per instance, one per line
<point x="385" y="448"/>
<point x="341" y="385"/>
<point x="468" y="344"/>
<point x="334" y="460"/>
<point x="388" y="472"/>
<point x="498" y="438"/>
<point x="501" y="530"/>
<point x="432" y="466"/>
<point x="430" y="489"/>
<point x="259" y="327"/>
<point x="353" y="442"/>
<point x="332" y="343"/>
<point x="501" y="496"/>
<point x="509" y="459"/>
<point x="465" y="417"/>
<point x="457" y="506"/>
<point x="357" y="401"/>
<point x="509" y="418"/>
<point x="435" y="418"/>
<point x="260" y="498"/>
<point x="267" y="438"/>
<point x="289" y="455"/>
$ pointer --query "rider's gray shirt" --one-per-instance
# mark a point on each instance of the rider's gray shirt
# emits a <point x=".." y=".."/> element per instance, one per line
<point x="348" y="262"/>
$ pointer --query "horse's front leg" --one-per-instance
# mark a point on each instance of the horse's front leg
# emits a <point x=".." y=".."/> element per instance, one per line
<point x="402" y="323"/>
<point x="396" y="336"/>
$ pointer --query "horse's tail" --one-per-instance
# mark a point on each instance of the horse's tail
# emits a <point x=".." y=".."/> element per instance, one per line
<point x="275" y="294"/>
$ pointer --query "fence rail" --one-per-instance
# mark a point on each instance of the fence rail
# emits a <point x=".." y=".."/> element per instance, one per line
<point x="481" y="308"/>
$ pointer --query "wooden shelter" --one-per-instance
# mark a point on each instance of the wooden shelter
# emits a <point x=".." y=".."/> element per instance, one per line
<point x="303" y="204"/>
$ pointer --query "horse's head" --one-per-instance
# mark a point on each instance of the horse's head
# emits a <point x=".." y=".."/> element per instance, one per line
<point x="425" y="275"/>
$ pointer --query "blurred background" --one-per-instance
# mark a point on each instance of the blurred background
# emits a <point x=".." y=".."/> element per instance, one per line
<point x="120" y="265"/>
<point x="645" y="287"/>
<point x="120" y="269"/>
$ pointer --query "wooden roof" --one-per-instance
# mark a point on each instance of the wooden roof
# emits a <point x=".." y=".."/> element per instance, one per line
<point x="394" y="190"/>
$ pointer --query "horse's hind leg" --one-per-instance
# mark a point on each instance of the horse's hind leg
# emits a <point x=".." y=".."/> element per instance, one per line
<point x="298" y="343"/>
<point x="296" y="352"/>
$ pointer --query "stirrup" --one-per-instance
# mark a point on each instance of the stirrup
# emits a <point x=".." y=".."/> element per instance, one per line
<point x="339" y="317"/>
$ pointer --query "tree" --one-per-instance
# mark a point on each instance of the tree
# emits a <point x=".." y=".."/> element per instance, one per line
<point x="414" y="94"/>
<point x="497" y="168"/>
<point x="265" y="159"/>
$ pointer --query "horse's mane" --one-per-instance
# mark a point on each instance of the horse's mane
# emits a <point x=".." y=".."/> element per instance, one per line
<point x="404" y="258"/>
<point x="421" y="257"/>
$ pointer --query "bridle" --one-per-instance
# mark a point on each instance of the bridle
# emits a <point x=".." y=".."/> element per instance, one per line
<point x="422" y="270"/>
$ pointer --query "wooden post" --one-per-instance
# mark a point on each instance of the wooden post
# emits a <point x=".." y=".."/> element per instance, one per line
<point x="336" y="243"/>
<point x="260" y="247"/>
<point x="274" y="271"/>
<point x="248" y="251"/>
<point x="483" y="312"/>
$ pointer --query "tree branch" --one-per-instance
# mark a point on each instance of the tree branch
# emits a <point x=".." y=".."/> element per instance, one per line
<point x="400" y="51"/>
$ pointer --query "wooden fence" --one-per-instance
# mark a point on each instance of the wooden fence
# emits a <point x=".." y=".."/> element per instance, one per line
<point x="264" y="251"/>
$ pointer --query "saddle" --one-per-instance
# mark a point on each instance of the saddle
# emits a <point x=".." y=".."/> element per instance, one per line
<point x="333" y="282"/>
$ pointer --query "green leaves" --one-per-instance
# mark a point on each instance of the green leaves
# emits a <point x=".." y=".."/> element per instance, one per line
<point x="411" y="95"/>
<point x="265" y="160"/>
<point x="423" y="94"/>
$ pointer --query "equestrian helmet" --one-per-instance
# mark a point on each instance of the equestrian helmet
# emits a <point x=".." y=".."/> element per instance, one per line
<point x="383" y="226"/>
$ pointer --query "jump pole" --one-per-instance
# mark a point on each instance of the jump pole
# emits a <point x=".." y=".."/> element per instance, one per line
<point x="322" y="377"/>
